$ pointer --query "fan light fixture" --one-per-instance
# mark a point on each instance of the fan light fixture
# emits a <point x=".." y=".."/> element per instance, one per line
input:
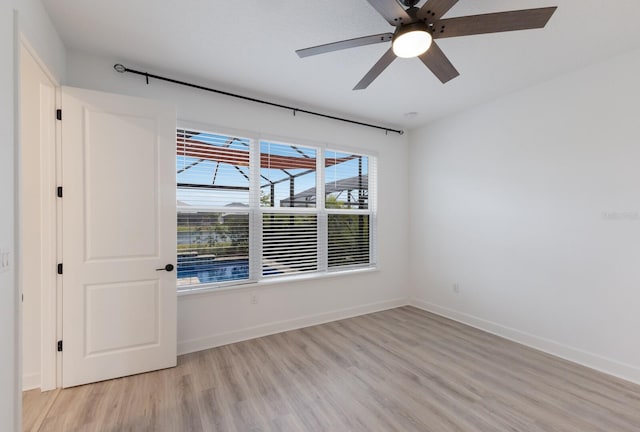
<point x="415" y="27"/>
<point x="411" y="40"/>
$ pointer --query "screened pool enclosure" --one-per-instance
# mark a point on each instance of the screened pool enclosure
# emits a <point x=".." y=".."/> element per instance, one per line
<point x="250" y="209"/>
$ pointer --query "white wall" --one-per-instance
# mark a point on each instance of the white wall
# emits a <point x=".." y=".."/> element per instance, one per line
<point x="210" y="319"/>
<point x="532" y="205"/>
<point x="37" y="29"/>
<point x="9" y="401"/>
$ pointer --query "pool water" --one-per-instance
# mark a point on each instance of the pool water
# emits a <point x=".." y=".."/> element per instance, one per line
<point x="212" y="270"/>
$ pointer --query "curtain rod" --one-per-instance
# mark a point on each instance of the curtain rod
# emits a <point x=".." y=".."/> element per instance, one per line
<point x="122" y="69"/>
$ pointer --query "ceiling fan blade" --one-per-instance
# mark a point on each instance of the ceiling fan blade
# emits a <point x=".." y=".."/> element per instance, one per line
<point x="433" y="10"/>
<point x="391" y="11"/>
<point x="376" y="70"/>
<point x="439" y="64"/>
<point x="493" y="22"/>
<point x="349" y="43"/>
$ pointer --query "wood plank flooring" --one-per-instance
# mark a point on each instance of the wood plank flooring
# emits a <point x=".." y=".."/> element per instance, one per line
<point x="398" y="370"/>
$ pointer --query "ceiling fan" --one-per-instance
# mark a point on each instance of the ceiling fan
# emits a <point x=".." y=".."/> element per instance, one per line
<point x="416" y="29"/>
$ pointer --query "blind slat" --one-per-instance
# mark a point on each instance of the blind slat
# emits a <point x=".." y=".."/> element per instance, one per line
<point x="348" y="240"/>
<point x="295" y="252"/>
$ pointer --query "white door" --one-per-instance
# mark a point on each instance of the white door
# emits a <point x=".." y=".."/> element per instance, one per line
<point x="119" y="227"/>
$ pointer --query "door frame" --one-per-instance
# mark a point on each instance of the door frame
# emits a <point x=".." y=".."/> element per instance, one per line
<point x="50" y="283"/>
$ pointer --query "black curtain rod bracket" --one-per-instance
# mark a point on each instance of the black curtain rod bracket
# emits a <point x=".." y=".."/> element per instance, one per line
<point x="122" y="69"/>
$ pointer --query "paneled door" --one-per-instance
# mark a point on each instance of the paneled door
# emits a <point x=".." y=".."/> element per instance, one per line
<point x="118" y="236"/>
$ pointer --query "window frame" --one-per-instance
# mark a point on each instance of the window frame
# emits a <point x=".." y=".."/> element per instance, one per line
<point x="256" y="212"/>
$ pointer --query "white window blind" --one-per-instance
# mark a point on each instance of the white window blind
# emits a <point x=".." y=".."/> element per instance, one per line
<point x="348" y="240"/>
<point x="289" y="243"/>
<point x="252" y="209"/>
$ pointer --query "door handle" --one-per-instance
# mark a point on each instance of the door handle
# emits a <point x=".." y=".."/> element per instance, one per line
<point x="168" y="267"/>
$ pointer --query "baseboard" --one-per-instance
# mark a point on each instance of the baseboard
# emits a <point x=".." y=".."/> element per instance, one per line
<point x="30" y="381"/>
<point x="217" y="340"/>
<point x="575" y="355"/>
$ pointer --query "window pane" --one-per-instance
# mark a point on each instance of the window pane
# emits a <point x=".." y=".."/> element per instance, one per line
<point x="288" y="175"/>
<point x="289" y="244"/>
<point x="347" y="180"/>
<point x="348" y="240"/>
<point x="212" y="247"/>
<point x="212" y="170"/>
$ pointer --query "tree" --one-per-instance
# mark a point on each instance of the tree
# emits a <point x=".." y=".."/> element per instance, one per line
<point x="331" y="202"/>
<point x="265" y="199"/>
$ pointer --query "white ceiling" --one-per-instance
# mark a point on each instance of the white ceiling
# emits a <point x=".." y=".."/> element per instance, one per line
<point x="249" y="46"/>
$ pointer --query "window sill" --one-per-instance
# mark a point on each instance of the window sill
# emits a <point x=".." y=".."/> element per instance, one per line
<point x="246" y="286"/>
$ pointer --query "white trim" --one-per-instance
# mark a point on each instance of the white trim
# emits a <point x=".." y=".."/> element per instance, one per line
<point x="323" y="221"/>
<point x="31" y="382"/>
<point x="17" y="322"/>
<point x="373" y="208"/>
<point x="255" y="218"/>
<point x="349" y="267"/>
<point x="347" y="211"/>
<point x="48" y="225"/>
<point x="43" y="66"/>
<point x="288" y="210"/>
<point x="216" y="340"/>
<point x="593" y="361"/>
<point x="47" y="378"/>
<point x="58" y="251"/>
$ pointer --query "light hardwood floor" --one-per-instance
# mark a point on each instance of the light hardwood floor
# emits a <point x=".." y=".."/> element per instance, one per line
<point x="398" y="370"/>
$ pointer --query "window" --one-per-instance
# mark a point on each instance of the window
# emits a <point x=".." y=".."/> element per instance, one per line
<point x="255" y="209"/>
<point x="213" y="197"/>
<point x="347" y="202"/>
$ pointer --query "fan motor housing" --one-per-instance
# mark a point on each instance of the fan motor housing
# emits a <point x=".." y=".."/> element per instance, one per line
<point x="408" y="3"/>
<point x="406" y="28"/>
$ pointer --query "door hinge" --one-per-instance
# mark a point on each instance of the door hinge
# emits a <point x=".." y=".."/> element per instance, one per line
<point x="59" y="191"/>
<point x="59" y="346"/>
<point x="59" y="114"/>
<point x="60" y="268"/>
